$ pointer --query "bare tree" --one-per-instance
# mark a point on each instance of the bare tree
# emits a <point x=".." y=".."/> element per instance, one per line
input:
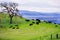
<point x="11" y="9"/>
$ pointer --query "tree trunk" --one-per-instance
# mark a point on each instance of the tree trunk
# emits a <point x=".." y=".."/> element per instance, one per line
<point x="10" y="20"/>
<point x="11" y="16"/>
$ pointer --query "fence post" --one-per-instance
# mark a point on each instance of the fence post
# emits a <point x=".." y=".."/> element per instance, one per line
<point x="56" y="36"/>
<point x="51" y="36"/>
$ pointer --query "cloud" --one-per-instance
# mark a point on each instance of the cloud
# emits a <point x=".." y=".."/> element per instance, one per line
<point x="41" y="5"/>
<point x="38" y="5"/>
<point x="40" y="9"/>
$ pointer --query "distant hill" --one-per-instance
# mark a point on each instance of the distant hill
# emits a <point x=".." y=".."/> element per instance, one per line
<point x="34" y="13"/>
<point x="54" y="17"/>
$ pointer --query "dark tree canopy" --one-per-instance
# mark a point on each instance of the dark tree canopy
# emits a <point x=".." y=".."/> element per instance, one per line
<point x="10" y="8"/>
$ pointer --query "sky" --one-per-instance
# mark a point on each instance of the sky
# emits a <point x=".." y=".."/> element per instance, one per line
<point x="37" y="5"/>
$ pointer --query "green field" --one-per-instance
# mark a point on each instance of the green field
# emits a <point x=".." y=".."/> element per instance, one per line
<point x="42" y="31"/>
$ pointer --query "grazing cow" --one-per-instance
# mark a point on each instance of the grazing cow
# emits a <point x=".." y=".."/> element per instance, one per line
<point x="49" y="22"/>
<point x="27" y="20"/>
<point x="30" y="24"/>
<point x="13" y="28"/>
<point x="37" y="22"/>
<point x="33" y="22"/>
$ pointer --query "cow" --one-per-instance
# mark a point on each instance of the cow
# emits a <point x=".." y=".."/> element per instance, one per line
<point x="30" y="24"/>
<point x="49" y="22"/>
<point x="37" y="22"/>
<point x="27" y="20"/>
<point x="33" y="22"/>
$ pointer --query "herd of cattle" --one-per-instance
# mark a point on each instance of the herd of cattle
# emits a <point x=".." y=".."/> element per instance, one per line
<point x="16" y="26"/>
<point x="37" y="21"/>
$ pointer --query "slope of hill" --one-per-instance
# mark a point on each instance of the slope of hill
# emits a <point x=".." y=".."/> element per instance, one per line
<point x="22" y="30"/>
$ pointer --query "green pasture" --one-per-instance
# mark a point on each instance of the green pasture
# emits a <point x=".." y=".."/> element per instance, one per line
<point x="41" y="31"/>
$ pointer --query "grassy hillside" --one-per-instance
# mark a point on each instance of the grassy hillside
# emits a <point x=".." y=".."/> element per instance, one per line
<point x="41" y="31"/>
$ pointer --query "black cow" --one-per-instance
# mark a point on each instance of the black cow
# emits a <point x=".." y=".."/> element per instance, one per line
<point x="30" y="24"/>
<point x="33" y="22"/>
<point x="37" y="22"/>
<point x="49" y="22"/>
<point x="27" y="20"/>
